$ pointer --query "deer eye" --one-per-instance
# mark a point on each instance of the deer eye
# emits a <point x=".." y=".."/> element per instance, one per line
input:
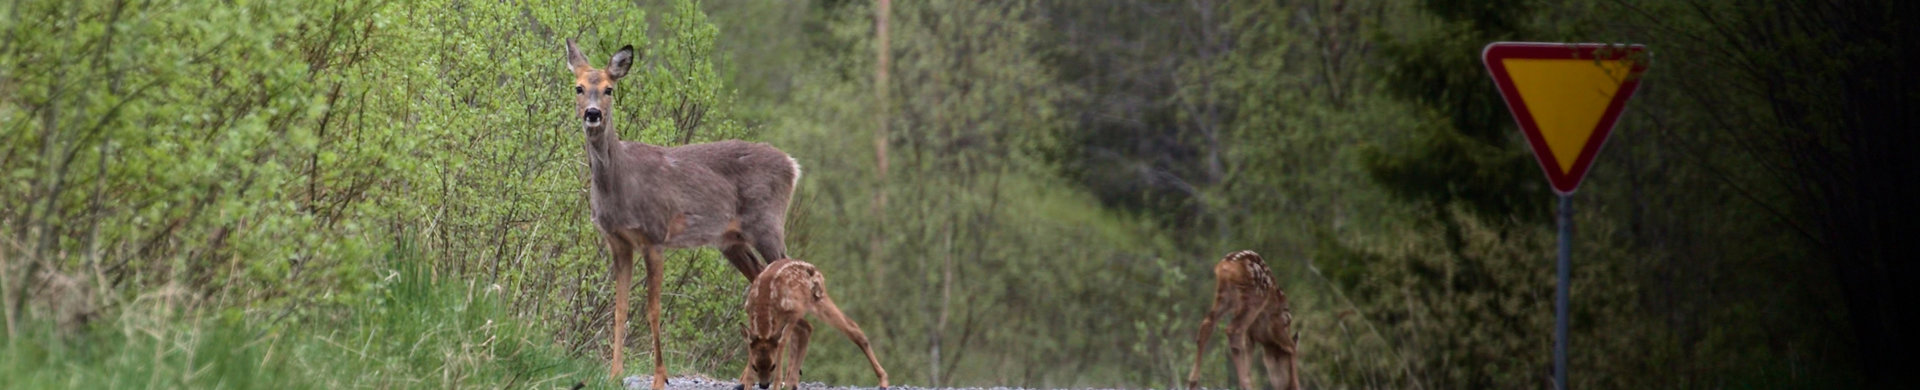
<point x="609" y="90"/>
<point x="579" y="90"/>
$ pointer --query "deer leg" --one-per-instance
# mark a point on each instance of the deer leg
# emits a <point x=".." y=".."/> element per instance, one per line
<point x="768" y="239"/>
<point x="1206" y="334"/>
<point x="831" y="313"/>
<point x="779" y="366"/>
<point x="652" y="253"/>
<point x="1289" y="350"/>
<point x="741" y="257"/>
<point x="1237" y="351"/>
<point x="1272" y="364"/>
<point x="746" y="375"/>
<point x="1293" y="362"/>
<point x="797" y="351"/>
<point x="622" y="281"/>
<point x="1293" y="369"/>
<point x="1237" y="342"/>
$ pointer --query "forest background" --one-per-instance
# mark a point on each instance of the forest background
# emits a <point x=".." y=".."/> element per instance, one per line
<point x="374" y="193"/>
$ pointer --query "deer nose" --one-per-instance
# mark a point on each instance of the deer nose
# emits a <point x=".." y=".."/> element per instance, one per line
<point x="593" y="115"/>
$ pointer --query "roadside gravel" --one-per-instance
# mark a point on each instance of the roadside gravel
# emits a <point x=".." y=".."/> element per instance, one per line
<point x="698" y="383"/>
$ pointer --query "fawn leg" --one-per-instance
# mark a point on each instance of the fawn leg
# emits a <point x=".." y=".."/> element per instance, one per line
<point x="1293" y="366"/>
<point x="831" y="313"/>
<point x="1237" y="351"/>
<point x="1206" y="333"/>
<point x="1237" y="347"/>
<point x="746" y="376"/>
<point x="797" y="338"/>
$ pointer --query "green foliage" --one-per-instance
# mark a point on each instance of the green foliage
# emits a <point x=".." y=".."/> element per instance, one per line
<point x="252" y="153"/>
<point x="1719" y="186"/>
<point x="1465" y="150"/>
<point x="191" y="161"/>
<point x="1475" y="313"/>
<point x="410" y="330"/>
<point x="1304" y="115"/>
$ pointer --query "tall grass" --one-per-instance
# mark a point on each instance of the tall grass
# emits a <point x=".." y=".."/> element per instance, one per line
<point x="416" y="330"/>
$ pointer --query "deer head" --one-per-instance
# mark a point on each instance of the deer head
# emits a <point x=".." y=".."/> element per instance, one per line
<point x="761" y="352"/>
<point x="593" y="88"/>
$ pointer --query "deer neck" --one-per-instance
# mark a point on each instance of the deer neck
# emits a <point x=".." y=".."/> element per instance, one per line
<point x="603" y="144"/>
<point x="608" y="156"/>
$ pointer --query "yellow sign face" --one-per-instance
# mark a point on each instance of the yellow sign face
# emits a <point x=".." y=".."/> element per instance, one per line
<point x="1567" y="99"/>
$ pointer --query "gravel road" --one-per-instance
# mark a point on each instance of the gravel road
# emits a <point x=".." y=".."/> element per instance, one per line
<point x="698" y="383"/>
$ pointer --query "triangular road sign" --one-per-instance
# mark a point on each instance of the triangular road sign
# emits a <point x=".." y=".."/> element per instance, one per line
<point x="1565" y="96"/>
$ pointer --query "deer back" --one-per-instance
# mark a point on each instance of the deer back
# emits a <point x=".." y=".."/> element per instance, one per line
<point x="691" y="195"/>
<point x="763" y="175"/>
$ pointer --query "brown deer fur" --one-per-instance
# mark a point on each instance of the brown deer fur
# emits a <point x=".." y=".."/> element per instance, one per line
<point x="1244" y="287"/>
<point x="777" y="304"/>
<point x="730" y="194"/>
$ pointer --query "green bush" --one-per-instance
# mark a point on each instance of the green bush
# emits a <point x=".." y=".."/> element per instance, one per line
<point x="253" y="153"/>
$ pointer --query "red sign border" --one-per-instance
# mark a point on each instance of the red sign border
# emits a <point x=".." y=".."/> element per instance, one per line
<point x="1568" y="182"/>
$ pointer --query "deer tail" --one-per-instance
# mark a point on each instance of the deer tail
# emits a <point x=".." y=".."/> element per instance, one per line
<point x="796" y="170"/>
<point x="818" y="282"/>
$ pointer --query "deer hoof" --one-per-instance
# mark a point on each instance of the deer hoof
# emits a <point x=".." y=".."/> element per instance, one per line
<point x="739" y="387"/>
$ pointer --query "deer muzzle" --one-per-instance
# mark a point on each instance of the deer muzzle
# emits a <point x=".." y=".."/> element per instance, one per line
<point x="593" y="116"/>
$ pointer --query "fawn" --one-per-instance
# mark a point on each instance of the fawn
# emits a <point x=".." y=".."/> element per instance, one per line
<point x="777" y="304"/>
<point x="1244" y="286"/>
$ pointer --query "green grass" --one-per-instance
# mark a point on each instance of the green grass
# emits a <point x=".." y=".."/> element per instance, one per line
<point x="412" y="332"/>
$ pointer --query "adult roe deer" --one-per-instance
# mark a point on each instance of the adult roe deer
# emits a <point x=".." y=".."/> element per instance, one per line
<point x="729" y="194"/>
<point x="1244" y="286"/>
<point x="777" y="306"/>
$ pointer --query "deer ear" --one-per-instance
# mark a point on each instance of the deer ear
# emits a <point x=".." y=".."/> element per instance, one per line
<point x="622" y="60"/>
<point x="575" y="61"/>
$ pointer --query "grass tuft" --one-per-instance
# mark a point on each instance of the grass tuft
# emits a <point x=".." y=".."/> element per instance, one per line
<point x="413" y="331"/>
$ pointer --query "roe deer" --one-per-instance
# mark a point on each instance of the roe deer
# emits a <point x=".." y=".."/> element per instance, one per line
<point x="777" y="305"/>
<point x="1244" y="286"/>
<point x="730" y="194"/>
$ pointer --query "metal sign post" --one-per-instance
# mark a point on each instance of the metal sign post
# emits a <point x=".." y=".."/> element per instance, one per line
<point x="1561" y="292"/>
<point x="1565" y="97"/>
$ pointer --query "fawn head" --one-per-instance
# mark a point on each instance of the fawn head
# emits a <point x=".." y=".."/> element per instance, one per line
<point x="761" y="352"/>
<point x="593" y="88"/>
